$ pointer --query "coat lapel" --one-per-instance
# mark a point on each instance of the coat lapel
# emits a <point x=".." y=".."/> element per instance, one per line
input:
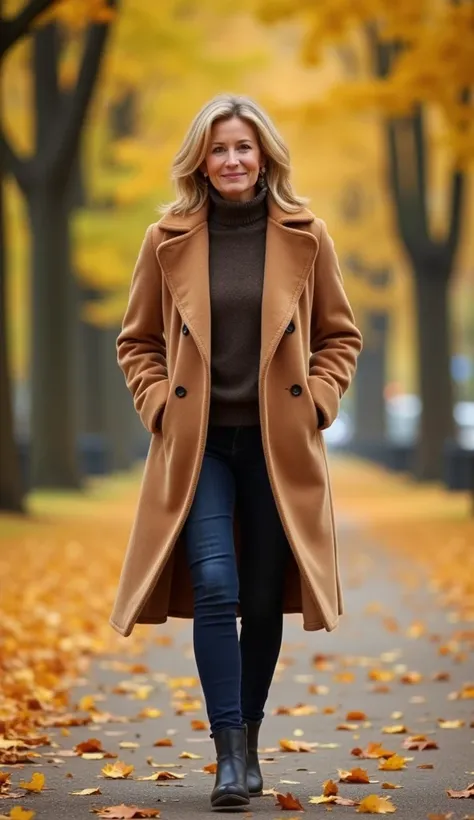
<point x="184" y="261"/>
<point x="289" y="256"/>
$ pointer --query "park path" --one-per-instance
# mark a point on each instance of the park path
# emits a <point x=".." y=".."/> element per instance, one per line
<point x="394" y="631"/>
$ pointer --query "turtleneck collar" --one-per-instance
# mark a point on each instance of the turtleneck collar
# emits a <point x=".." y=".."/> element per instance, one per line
<point x="230" y="213"/>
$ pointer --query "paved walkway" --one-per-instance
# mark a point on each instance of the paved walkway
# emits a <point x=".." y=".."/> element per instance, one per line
<point x="392" y="624"/>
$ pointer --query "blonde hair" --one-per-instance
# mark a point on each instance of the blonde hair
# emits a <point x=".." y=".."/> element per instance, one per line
<point x="190" y="184"/>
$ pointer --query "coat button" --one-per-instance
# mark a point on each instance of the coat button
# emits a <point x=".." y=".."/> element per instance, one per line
<point x="296" y="390"/>
<point x="290" y="328"/>
<point x="185" y="330"/>
<point x="180" y="391"/>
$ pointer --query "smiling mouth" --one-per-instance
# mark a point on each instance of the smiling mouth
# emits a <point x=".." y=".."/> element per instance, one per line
<point x="233" y="176"/>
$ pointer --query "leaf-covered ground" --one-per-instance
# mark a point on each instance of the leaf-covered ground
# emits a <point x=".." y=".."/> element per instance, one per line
<point x="376" y="717"/>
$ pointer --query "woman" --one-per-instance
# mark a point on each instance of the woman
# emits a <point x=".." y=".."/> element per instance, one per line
<point x="237" y="344"/>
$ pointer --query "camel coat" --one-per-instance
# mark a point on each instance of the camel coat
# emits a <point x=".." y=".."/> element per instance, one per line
<point x="308" y="353"/>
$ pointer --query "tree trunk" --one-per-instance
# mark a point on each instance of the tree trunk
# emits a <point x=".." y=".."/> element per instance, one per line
<point x="369" y="385"/>
<point x="436" y="424"/>
<point x="53" y="455"/>
<point x="11" y="489"/>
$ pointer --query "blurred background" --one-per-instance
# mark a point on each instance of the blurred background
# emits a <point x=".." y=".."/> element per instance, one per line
<point x="375" y="102"/>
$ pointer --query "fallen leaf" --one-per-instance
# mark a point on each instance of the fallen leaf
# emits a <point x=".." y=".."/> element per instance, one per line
<point x="398" y="729"/>
<point x="344" y="677"/>
<point x="164" y="741"/>
<point x="36" y="783"/>
<point x="451" y="724"/>
<point x="391" y="786"/>
<point x="393" y="764"/>
<point x="199" y="725"/>
<point x="294" y="746"/>
<point x="288" y="802"/>
<point x="467" y="792"/>
<point x="316" y="689"/>
<point x="425" y="766"/>
<point x="17" y="813"/>
<point x="411" y="677"/>
<point x="150" y="712"/>
<point x="190" y="756"/>
<point x="419" y="745"/>
<point x="373" y="804"/>
<point x="118" y="770"/>
<point x="330" y="788"/>
<point x="353" y="776"/>
<point x="124" y="812"/>
<point x="372" y="752"/>
<point x="356" y="716"/>
<point x="91" y="745"/>
<point x="211" y="768"/>
<point x="300" y="710"/>
<point x="86" y="792"/>
<point x="347" y="727"/>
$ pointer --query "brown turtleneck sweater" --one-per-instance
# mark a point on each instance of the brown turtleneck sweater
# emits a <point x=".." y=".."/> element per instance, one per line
<point x="237" y="235"/>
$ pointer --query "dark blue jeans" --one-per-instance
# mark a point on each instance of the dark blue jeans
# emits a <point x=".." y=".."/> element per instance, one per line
<point x="236" y="678"/>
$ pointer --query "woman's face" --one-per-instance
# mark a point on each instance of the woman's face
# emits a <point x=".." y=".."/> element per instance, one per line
<point x="233" y="159"/>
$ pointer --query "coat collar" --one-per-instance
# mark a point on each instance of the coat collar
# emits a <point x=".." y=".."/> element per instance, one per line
<point x="290" y="253"/>
<point x="187" y="222"/>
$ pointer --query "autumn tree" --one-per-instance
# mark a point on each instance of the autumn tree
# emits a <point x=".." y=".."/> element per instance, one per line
<point x="12" y="30"/>
<point x="44" y="178"/>
<point x="418" y="57"/>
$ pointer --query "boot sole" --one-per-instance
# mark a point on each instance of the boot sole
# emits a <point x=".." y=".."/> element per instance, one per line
<point x="256" y="794"/>
<point x="230" y="802"/>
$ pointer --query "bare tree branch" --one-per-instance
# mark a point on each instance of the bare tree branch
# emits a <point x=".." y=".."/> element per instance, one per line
<point x="76" y="107"/>
<point x="13" y="30"/>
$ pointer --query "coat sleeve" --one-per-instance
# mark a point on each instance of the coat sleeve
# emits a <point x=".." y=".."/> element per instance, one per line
<point x="335" y="340"/>
<point x="141" y="346"/>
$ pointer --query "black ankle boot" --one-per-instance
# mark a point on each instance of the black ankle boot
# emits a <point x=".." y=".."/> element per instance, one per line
<point x="230" y="789"/>
<point x="254" y="775"/>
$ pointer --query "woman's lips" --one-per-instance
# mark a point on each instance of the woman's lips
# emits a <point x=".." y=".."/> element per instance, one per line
<point x="233" y="176"/>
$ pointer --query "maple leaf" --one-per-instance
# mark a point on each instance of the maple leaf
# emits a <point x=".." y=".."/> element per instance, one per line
<point x="117" y="770"/>
<point x="373" y="804"/>
<point x="353" y="776"/>
<point x="164" y="741"/>
<point x="211" y="768"/>
<point x="393" y="764"/>
<point x="398" y="729"/>
<point x="36" y="783"/>
<point x="356" y="716"/>
<point x="91" y="745"/>
<point x="372" y="752"/>
<point x="190" y="756"/>
<point x="17" y="813"/>
<point x="288" y="802"/>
